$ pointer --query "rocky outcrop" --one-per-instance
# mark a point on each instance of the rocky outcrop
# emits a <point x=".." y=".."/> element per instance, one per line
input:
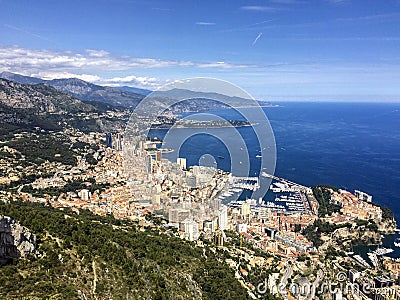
<point x="345" y="238"/>
<point x="15" y="240"/>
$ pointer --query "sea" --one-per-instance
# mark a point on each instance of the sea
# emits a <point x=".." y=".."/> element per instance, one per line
<point x="346" y="145"/>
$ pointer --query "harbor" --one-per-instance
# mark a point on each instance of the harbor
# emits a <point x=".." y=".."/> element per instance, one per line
<point x="283" y="196"/>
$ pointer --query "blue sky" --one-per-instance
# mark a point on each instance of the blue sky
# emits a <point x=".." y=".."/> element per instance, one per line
<point x="343" y="50"/>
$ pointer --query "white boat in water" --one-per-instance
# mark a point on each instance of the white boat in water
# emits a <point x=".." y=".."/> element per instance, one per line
<point x="272" y="205"/>
<point x="383" y="251"/>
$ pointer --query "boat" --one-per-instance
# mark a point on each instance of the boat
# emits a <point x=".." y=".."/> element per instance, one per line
<point x="227" y="194"/>
<point x="221" y="157"/>
<point x="397" y="242"/>
<point x="272" y="205"/>
<point x="166" y="150"/>
<point x="258" y="156"/>
<point x="383" y="251"/>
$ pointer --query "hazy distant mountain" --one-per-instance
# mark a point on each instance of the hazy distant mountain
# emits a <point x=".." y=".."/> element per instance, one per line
<point x="74" y="86"/>
<point x="188" y="94"/>
<point x="135" y="90"/>
<point x="199" y="101"/>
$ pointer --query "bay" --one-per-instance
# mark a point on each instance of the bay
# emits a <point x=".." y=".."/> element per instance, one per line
<point x="347" y="145"/>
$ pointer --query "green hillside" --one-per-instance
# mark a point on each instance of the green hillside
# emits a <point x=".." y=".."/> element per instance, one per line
<point x="90" y="257"/>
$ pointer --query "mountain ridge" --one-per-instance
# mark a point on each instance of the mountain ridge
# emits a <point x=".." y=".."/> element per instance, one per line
<point x="81" y="89"/>
<point x="26" y="107"/>
<point x="39" y="98"/>
<point x="124" y="96"/>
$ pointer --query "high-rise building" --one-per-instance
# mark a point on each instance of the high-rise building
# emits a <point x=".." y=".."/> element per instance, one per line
<point x="191" y="229"/>
<point x="208" y="226"/>
<point x="223" y="217"/>
<point x="118" y="142"/>
<point x="181" y="162"/>
<point x="108" y="140"/>
<point x="245" y="209"/>
<point x="149" y="164"/>
<point x="215" y="204"/>
<point x="177" y="215"/>
<point x="84" y="194"/>
<point x="158" y="155"/>
<point x="219" y="238"/>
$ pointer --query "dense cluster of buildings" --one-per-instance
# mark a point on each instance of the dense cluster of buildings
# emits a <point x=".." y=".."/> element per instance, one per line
<point x="133" y="179"/>
<point x="359" y="206"/>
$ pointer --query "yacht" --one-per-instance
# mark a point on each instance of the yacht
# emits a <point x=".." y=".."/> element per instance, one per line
<point x="383" y="251"/>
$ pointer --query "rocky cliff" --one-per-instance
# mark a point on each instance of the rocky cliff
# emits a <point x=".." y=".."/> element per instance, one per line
<point x="387" y="226"/>
<point x="15" y="240"/>
<point x="39" y="98"/>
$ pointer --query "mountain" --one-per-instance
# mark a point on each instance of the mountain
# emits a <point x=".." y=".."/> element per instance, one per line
<point x="83" y="90"/>
<point x="193" y="101"/>
<point x="74" y="86"/>
<point x="130" y="97"/>
<point x="21" y="78"/>
<point x="24" y="107"/>
<point x="135" y="90"/>
<point x="39" y="98"/>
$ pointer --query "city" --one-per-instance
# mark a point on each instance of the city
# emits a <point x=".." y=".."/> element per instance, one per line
<point x="131" y="180"/>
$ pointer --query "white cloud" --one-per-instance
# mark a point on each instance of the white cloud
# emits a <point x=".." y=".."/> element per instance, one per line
<point x="339" y="2"/>
<point x="260" y="8"/>
<point x="287" y="1"/>
<point x="378" y="17"/>
<point x="58" y="75"/>
<point x="97" y="53"/>
<point x="19" y="59"/>
<point x="90" y="64"/>
<point x="205" y="23"/>
<point x="132" y="80"/>
<point x="222" y="65"/>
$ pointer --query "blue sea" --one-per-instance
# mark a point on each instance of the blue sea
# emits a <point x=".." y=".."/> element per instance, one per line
<point x="347" y="145"/>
